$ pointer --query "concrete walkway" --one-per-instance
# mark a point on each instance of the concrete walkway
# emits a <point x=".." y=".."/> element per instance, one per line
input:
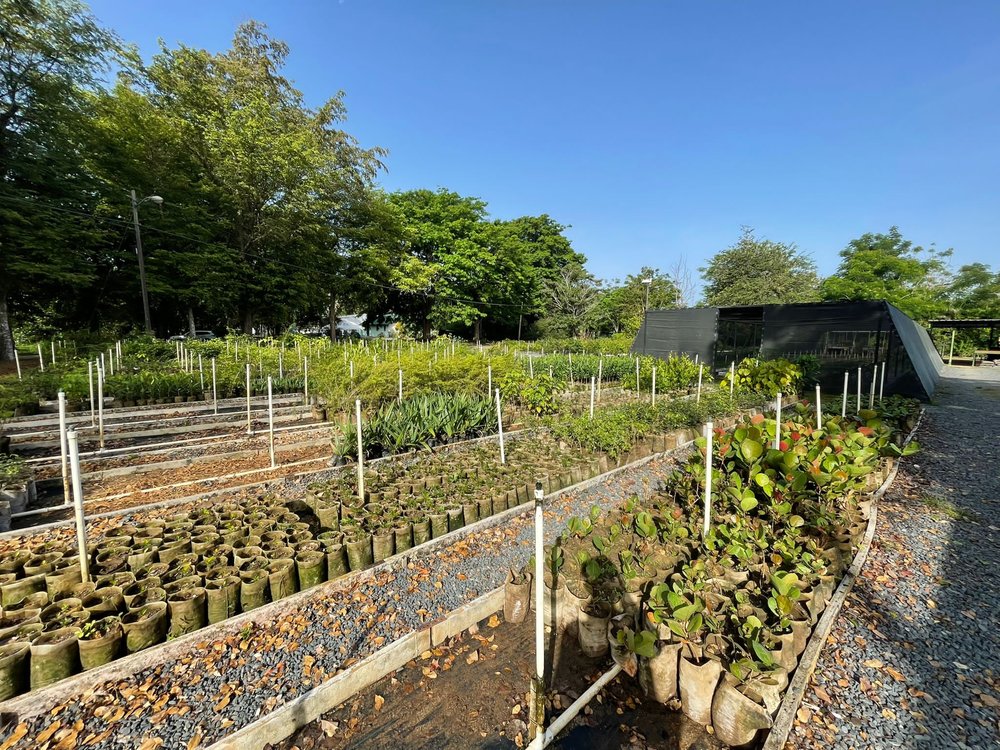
<point x="914" y="660"/>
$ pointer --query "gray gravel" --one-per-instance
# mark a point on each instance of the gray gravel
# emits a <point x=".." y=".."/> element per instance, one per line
<point x="268" y="667"/>
<point x="914" y="660"/>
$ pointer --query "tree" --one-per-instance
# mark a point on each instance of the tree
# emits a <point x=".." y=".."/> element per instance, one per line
<point x="53" y="51"/>
<point x="270" y="176"/>
<point x="570" y="297"/>
<point x="680" y="275"/>
<point x="974" y="292"/>
<point x="622" y="304"/>
<point x="889" y="267"/>
<point x="759" y="272"/>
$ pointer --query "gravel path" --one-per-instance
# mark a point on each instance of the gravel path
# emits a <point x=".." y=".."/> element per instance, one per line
<point x="220" y="685"/>
<point x="914" y="659"/>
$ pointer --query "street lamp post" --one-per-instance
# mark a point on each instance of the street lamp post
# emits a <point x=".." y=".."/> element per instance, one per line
<point x="645" y="311"/>
<point x="138" y="250"/>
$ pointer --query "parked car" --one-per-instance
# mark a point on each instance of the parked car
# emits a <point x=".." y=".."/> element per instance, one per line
<point x="198" y="336"/>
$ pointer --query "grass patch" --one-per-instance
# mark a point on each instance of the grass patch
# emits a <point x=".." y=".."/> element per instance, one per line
<point x="947" y="507"/>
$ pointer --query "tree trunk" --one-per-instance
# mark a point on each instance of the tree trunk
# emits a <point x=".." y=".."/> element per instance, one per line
<point x="248" y="321"/>
<point x="191" y="326"/>
<point x="6" y="336"/>
<point x="427" y="329"/>
<point x="478" y="331"/>
<point x="333" y="318"/>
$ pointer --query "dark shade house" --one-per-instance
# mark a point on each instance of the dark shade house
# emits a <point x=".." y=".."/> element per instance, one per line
<point x="843" y="335"/>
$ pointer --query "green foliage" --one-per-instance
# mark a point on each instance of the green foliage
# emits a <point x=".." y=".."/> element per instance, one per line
<point x="759" y="272"/>
<point x="887" y="266"/>
<point x="536" y="395"/>
<point x="766" y="376"/>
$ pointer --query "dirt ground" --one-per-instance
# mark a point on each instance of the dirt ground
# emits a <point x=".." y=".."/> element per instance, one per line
<point x="472" y="694"/>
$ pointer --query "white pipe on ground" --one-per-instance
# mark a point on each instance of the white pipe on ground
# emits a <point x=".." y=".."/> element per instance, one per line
<point x="570" y="713"/>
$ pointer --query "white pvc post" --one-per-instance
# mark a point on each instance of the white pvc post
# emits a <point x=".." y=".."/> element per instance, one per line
<point x="571" y="368"/>
<point x="777" y="422"/>
<point x="249" y="422"/>
<point x="600" y="376"/>
<point x="592" y="389"/>
<point x="531" y="367"/>
<point x="538" y="684"/>
<point x="708" y="479"/>
<point x="63" y="447"/>
<point x="81" y="524"/>
<point x="270" y="420"/>
<point x="843" y="403"/>
<point x="305" y="380"/>
<point x="951" y="351"/>
<point x="17" y="362"/>
<point x="93" y="406"/>
<point x="636" y="374"/>
<point x="653" y="389"/>
<point x="700" y="370"/>
<point x="503" y="455"/>
<point x="859" y="389"/>
<point x="215" y="390"/>
<point x="111" y="362"/>
<point x="41" y="359"/>
<point x="236" y="349"/>
<point x="400" y="385"/>
<point x="281" y="362"/>
<point x="732" y="378"/>
<point x="361" y="450"/>
<point x="352" y="370"/>
<point x="881" y="383"/>
<point x="489" y="379"/>
<point x="871" y="394"/>
<point x="100" y="406"/>
<point x="819" y="410"/>
<point x="53" y="343"/>
<point x="201" y="374"/>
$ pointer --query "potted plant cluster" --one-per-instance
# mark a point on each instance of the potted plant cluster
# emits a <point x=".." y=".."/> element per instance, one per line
<point x="719" y="621"/>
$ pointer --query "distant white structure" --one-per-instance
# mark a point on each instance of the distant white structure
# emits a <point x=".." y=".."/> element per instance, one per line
<point x="356" y="325"/>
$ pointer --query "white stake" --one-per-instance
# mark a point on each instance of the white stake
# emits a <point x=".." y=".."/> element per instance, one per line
<point x="111" y="362"/>
<point x="100" y="405"/>
<point x="531" y="367"/>
<point x="537" y="708"/>
<point x="600" y="376"/>
<point x="352" y="370"/>
<point x="81" y="523"/>
<point x="63" y="447"/>
<point x="571" y="368"/>
<point x="637" y="375"/>
<point x="592" y="390"/>
<point x="249" y="422"/>
<point x="654" y="387"/>
<point x="951" y="351"/>
<point x="777" y="422"/>
<point x="400" y="385"/>
<point x="700" y="370"/>
<point x="489" y="379"/>
<point x="843" y="404"/>
<point x="708" y="480"/>
<point x="41" y="359"/>
<point x="281" y="362"/>
<point x="859" y="389"/>
<point x="270" y="420"/>
<point x="17" y="362"/>
<point x="881" y="383"/>
<point x="503" y="454"/>
<point x="361" y="451"/>
<point x="732" y="378"/>
<point x="871" y="394"/>
<point x="305" y="379"/>
<point x="93" y="406"/>
<point x="819" y="410"/>
<point x="201" y="375"/>
<point x="53" y="343"/>
<point x="215" y="390"/>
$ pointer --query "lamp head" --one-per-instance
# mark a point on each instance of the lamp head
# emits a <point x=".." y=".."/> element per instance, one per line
<point x="155" y="199"/>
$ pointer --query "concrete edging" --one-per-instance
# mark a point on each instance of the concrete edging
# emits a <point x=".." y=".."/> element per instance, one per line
<point x="784" y="719"/>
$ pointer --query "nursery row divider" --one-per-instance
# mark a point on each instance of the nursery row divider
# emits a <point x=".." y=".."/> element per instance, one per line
<point x="785" y="717"/>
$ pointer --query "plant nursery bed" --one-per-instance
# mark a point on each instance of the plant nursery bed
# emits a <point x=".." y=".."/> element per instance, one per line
<point x="204" y="685"/>
<point x="471" y="693"/>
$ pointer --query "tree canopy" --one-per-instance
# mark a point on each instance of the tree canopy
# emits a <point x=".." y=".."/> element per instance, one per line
<point x="758" y="271"/>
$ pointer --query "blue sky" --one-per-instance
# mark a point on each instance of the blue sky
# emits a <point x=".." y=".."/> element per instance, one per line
<point x="657" y="129"/>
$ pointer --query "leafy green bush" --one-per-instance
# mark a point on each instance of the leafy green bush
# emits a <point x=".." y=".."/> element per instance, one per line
<point x="767" y="376"/>
<point x="536" y="395"/>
